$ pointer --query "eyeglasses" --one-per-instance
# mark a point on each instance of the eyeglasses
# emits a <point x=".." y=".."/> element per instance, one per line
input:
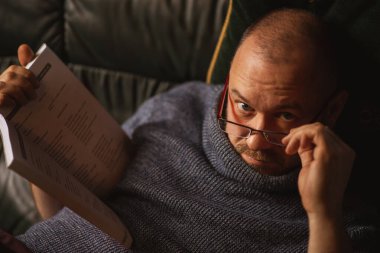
<point x="241" y="131"/>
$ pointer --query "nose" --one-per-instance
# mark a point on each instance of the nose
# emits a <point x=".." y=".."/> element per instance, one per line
<point x="257" y="141"/>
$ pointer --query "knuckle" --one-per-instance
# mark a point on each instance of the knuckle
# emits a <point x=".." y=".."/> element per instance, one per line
<point x="319" y="127"/>
<point x="13" y="68"/>
<point x="10" y="75"/>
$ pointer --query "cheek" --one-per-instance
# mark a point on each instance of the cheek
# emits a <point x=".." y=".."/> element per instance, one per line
<point x="236" y="141"/>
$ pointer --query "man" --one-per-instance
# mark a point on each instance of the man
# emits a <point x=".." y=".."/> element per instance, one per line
<point x="217" y="171"/>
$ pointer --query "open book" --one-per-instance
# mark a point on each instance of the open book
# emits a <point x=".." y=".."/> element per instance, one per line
<point x="67" y="144"/>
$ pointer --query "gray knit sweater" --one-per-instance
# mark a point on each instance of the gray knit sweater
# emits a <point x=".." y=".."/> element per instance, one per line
<point x="187" y="190"/>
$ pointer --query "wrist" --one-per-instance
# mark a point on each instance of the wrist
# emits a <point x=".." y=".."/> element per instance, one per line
<point x="330" y="222"/>
<point x="327" y="233"/>
<point x="326" y="212"/>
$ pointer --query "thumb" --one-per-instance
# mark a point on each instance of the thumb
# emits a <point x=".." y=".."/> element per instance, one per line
<point x="25" y="54"/>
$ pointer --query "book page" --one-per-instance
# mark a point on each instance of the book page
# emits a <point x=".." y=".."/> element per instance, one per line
<point x="29" y="161"/>
<point x="71" y="126"/>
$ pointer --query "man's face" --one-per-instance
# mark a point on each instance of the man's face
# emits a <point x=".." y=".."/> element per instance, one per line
<point x="274" y="95"/>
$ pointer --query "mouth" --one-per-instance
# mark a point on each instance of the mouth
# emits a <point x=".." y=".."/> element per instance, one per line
<point x="259" y="161"/>
<point x="262" y="166"/>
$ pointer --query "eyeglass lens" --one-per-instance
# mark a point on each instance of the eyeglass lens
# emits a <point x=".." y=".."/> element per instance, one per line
<point x="244" y="132"/>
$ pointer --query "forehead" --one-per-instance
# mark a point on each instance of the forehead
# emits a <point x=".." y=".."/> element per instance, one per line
<point x="289" y="78"/>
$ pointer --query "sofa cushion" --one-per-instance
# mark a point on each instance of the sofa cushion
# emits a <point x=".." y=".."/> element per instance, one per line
<point x="124" y="51"/>
<point x="171" y="40"/>
<point x="120" y="93"/>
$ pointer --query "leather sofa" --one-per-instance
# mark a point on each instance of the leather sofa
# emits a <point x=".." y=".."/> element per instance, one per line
<point x="124" y="51"/>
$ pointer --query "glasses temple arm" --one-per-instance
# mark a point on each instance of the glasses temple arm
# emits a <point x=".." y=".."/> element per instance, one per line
<point x="223" y="98"/>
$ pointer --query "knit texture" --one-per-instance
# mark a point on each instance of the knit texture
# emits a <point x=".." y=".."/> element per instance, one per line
<point x="188" y="190"/>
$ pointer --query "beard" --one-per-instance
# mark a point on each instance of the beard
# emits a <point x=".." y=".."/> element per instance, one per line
<point x="267" y="156"/>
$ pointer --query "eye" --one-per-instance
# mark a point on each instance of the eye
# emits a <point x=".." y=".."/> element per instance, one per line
<point x="243" y="106"/>
<point x="287" y="116"/>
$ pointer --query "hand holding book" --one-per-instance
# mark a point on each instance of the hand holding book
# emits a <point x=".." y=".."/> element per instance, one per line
<point x="18" y="84"/>
<point x="17" y="87"/>
<point x="63" y="141"/>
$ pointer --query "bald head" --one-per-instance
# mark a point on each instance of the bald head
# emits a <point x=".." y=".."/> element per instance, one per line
<point x="284" y="31"/>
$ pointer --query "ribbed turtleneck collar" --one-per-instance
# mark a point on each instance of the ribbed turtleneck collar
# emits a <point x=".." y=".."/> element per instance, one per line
<point x="229" y="163"/>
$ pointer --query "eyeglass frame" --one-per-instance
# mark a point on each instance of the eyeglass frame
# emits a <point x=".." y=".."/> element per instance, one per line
<point x="265" y="133"/>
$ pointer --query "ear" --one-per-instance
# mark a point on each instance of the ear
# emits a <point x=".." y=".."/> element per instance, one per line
<point x="335" y="107"/>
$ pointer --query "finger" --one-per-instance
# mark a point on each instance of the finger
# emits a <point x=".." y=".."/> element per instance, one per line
<point x="21" y="90"/>
<point x="316" y="143"/>
<point x="14" y="71"/>
<point x="28" y="75"/>
<point x="25" y="54"/>
<point x="16" y="93"/>
<point x="26" y="88"/>
<point x="6" y="101"/>
<point x="306" y="157"/>
<point x="305" y="138"/>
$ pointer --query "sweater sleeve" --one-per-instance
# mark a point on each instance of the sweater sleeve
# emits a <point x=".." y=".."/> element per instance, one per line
<point x="67" y="232"/>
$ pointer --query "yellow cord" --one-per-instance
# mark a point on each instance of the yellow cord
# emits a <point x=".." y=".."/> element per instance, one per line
<point x="219" y="44"/>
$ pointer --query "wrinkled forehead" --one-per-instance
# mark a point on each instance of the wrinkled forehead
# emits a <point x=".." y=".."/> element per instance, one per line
<point x="294" y="71"/>
<point x="266" y="85"/>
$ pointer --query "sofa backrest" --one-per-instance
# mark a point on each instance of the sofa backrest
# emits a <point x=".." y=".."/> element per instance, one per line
<point x="124" y="51"/>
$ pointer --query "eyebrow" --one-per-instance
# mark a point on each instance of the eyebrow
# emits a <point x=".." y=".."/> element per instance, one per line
<point x="237" y="93"/>
<point x="288" y="105"/>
